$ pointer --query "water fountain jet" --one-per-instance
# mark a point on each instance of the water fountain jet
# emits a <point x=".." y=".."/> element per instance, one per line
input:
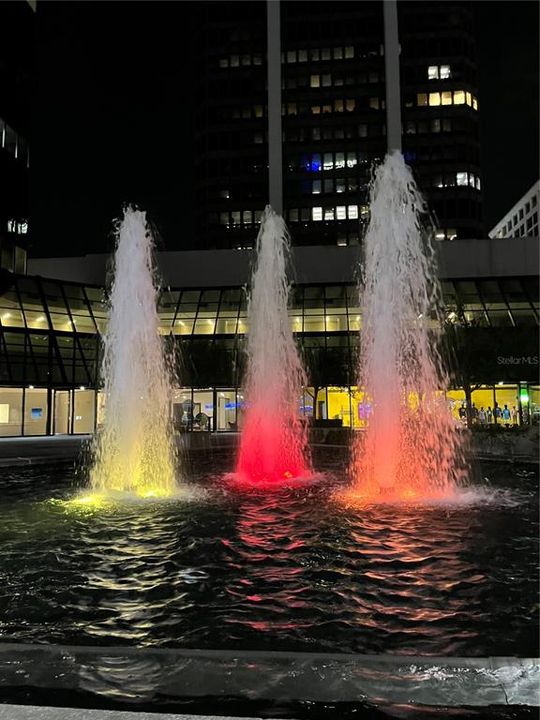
<point x="134" y="452"/>
<point x="411" y="448"/>
<point x="273" y="448"/>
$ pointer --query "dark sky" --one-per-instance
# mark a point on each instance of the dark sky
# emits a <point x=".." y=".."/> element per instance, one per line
<point x="113" y="117"/>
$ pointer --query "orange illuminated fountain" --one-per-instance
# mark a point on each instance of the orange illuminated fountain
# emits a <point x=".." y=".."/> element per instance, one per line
<point x="273" y="449"/>
<point x="411" y="449"/>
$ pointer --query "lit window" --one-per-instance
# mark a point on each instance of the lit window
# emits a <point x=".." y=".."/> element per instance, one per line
<point x="328" y="213"/>
<point x="316" y="213"/>
<point x="291" y="109"/>
<point x="316" y="109"/>
<point x="326" y="80"/>
<point x="342" y="240"/>
<point x="247" y="217"/>
<point x="314" y="53"/>
<point x="293" y="215"/>
<point x="224" y="194"/>
<point x="350" y="105"/>
<point x="471" y="179"/>
<point x="433" y="72"/>
<point x="257" y="59"/>
<point x="258" y="216"/>
<point x="12" y="226"/>
<point x="23" y="228"/>
<point x="349" y="52"/>
<point x="459" y="97"/>
<point x="328" y="162"/>
<point x="340" y="185"/>
<point x="468" y="99"/>
<point x="421" y="99"/>
<point x="435" y="125"/>
<point x="224" y="63"/>
<point x="446" y="98"/>
<point x="351" y="159"/>
<point x="291" y="56"/>
<point x="341" y="212"/>
<point x="410" y="128"/>
<point x="316" y="187"/>
<point x="475" y="103"/>
<point x="364" y="212"/>
<point x="315" y="162"/>
<point x="435" y="98"/>
<point x="339" y="106"/>
<point x="236" y="217"/>
<point x="338" y="53"/>
<point x="235" y="60"/>
<point x="461" y="178"/>
<point x="451" y="234"/>
<point x="315" y="81"/>
<point x="439" y="235"/>
<point x="246" y="59"/>
<point x="374" y="103"/>
<point x="353" y="212"/>
<point x="338" y="80"/>
<point x="325" y="54"/>
<point x="340" y="161"/>
<point x="445" y="72"/>
<point x="258" y="110"/>
<point x="302" y="56"/>
<point x="224" y="218"/>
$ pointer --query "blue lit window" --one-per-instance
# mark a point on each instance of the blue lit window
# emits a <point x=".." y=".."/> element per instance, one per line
<point x="315" y="163"/>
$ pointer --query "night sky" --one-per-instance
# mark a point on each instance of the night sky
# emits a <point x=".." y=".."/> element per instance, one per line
<point x="113" y="117"/>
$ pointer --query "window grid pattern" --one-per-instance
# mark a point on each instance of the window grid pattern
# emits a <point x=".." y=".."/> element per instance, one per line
<point x="68" y="309"/>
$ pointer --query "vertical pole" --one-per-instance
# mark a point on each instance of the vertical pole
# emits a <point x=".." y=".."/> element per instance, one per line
<point x="391" y="66"/>
<point x="275" y="151"/>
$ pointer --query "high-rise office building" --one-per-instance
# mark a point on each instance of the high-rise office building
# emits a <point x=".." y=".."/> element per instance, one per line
<point x="333" y="117"/>
<point x="16" y="58"/>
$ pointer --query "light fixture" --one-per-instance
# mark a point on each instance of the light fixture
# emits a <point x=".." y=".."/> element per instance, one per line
<point x="81" y="387"/>
<point x="30" y="387"/>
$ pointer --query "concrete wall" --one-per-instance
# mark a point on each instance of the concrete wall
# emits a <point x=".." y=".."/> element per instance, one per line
<point x="318" y="264"/>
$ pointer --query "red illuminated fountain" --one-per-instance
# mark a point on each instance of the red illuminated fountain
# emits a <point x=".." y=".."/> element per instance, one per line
<point x="273" y="449"/>
<point x="411" y="448"/>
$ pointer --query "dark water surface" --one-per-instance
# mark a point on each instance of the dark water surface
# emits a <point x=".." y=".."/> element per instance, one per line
<point x="291" y="570"/>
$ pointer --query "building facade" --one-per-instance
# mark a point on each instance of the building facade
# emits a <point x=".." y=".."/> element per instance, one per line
<point x="50" y="335"/>
<point x="333" y="117"/>
<point x="16" y="77"/>
<point x="522" y="219"/>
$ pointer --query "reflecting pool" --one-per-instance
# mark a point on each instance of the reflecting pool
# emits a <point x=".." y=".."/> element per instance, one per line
<point x="289" y="570"/>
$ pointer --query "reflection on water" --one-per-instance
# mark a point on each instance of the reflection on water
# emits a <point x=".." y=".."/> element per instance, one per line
<point x="290" y="570"/>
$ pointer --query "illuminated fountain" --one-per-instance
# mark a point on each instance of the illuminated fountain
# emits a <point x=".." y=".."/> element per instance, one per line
<point x="273" y="445"/>
<point x="411" y="448"/>
<point x="135" y="451"/>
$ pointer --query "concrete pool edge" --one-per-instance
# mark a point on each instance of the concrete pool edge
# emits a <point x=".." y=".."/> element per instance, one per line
<point x="271" y="675"/>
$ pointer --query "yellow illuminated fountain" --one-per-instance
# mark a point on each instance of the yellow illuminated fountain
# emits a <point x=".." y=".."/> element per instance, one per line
<point x="134" y="452"/>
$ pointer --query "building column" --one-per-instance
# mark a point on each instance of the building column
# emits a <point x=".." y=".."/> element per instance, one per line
<point x="275" y="145"/>
<point x="392" y="81"/>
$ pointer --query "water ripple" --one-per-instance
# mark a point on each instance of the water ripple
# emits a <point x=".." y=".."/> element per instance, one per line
<point x="290" y="571"/>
